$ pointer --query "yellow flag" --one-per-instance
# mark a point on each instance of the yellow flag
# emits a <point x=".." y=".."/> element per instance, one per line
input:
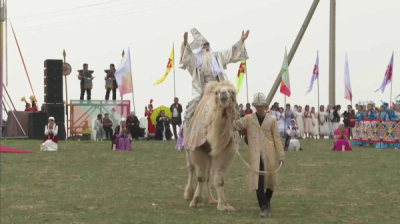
<point x="169" y="66"/>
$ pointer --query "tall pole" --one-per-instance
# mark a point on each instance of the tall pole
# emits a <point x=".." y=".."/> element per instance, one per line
<point x="332" y="53"/>
<point x="123" y="55"/>
<point x="66" y="95"/>
<point x="1" y="69"/>
<point x="319" y="110"/>
<point x="293" y="49"/>
<point x="391" y="83"/>
<point x="6" y="35"/>
<point x="173" y="61"/>
<point x="247" y="83"/>
<point x="130" y="70"/>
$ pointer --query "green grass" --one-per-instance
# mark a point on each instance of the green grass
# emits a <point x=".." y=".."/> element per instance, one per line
<point x="85" y="182"/>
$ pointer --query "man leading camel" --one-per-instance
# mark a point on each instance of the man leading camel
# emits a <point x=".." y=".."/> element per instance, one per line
<point x="206" y="66"/>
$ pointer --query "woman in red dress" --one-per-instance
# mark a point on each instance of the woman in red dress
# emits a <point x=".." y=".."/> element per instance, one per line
<point x="150" y="127"/>
<point x="247" y="111"/>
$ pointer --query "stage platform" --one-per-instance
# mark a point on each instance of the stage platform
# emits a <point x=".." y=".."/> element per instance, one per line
<point x="83" y="114"/>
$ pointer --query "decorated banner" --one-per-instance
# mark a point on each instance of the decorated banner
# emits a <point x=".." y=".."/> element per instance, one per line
<point x="375" y="131"/>
<point x="84" y="114"/>
<point x="285" y="82"/>
<point x="169" y="66"/>
<point x="240" y="75"/>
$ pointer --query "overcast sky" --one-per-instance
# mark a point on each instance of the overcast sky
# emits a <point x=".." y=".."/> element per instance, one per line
<point x="367" y="30"/>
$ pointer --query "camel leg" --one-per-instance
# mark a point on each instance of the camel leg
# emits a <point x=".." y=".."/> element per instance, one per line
<point x="221" y="164"/>
<point x="208" y="195"/>
<point x="202" y="162"/>
<point x="189" y="190"/>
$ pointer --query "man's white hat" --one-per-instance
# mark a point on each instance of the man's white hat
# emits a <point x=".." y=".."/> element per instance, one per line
<point x="199" y="39"/>
<point x="52" y="118"/>
<point x="132" y="112"/>
<point x="259" y="100"/>
<point x="123" y="119"/>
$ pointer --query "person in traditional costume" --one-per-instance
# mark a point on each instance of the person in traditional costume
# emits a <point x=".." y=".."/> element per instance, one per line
<point x="307" y="122"/>
<point x="329" y="110"/>
<point x="27" y="105"/>
<point x="336" y="118"/>
<point x="395" y="116"/>
<point x="120" y="140"/>
<point x="133" y="123"/>
<point x="111" y="76"/>
<point x="281" y="122"/>
<point x="179" y="143"/>
<point x="246" y="112"/>
<point x="323" y="123"/>
<point x="85" y="74"/>
<point x="98" y="127"/>
<point x="352" y="124"/>
<point x="34" y="105"/>
<point x="292" y="142"/>
<point x="387" y="109"/>
<point x="107" y="126"/>
<point x="358" y="118"/>
<point x="151" y="129"/>
<point x="289" y="115"/>
<point x="370" y="115"/>
<point x="206" y="66"/>
<point x="50" y="142"/>
<point x="299" y="121"/>
<point x="314" y="123"/>
<point x="241" y="114"/>
<point x="383" y="116"/>
<point x="340" y="141"/>
<point x="263" y="142"/>
<point x="163" y="129"/>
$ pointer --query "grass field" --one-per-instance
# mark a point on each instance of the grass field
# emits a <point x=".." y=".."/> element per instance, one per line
<point x="85" y="182"/>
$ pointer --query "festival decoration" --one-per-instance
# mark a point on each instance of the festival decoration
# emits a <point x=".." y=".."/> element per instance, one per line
<point x="169" y="66"/>
<point x="240" y="75"/>
<point x="374" y="131"/>
<point x="314" y="75"/>
<point x="285" y="82"/>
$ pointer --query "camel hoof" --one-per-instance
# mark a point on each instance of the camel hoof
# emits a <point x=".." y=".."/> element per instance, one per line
<point x="225" y="208"/>
<point x="196" y="203"/>
<point x="212" y="201"/>
<point x="189" y="193"/>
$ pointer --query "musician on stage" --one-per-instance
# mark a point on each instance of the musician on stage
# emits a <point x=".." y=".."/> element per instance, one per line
<point x="85" y="76"/>
<point x="111" y="76"/>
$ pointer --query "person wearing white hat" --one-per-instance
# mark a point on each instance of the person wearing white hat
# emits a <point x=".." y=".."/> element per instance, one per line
<point x="206" y="66"/>
<point x="263" y="141"/>
<point x="120" y="140"/>
<point x="50" y="142"/>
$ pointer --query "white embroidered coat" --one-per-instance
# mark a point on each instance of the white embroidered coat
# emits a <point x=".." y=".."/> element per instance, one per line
<point x="263" y="141"/>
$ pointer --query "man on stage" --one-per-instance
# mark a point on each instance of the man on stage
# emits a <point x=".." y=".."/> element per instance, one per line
<point x="206" y="66"/>
<point x="83" y="75"/>
<point x="111" y="76"/>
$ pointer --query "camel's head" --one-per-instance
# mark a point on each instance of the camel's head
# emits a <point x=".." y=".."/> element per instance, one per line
<point x="225" y="95"/>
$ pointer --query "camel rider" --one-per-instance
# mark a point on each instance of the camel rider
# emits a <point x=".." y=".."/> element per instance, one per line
<point x="206" y="66"/>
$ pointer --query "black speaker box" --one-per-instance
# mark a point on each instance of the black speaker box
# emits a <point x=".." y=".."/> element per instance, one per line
<point x="61" y="130"/>
<point x="48" y="90"/>
<point x="36" y="123"/>
<point x="53" y="98"/>
<point x="53" y="81"/>
<point x="55" y="110"/>
<point x="53" y="64"/>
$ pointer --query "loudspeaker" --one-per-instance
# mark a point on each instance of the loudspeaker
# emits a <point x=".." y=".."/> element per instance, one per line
<point x="36" y="123"/>
<point x="61" y="130"/>
<point x="53" y="81"/>
<point x="55" y="110"/>
<point x="53" y="64"/>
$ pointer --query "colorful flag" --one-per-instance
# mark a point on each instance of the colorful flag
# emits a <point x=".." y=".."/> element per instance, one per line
<point x="348" y="93"/>
<point x="314" y="75"/>
<point x="285" y="82"/>
<point x="169" y="66"/>
<point x="240" y="75"/>
<point x="123" y="75"/>
<point x="388" y="75"/>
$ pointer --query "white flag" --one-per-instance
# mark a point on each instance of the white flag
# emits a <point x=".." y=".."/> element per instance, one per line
<point x="314" y="75"/>
<point x="348" y="94"/>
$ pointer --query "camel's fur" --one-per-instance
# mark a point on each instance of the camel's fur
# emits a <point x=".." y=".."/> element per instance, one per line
<point x="218" y="152"/>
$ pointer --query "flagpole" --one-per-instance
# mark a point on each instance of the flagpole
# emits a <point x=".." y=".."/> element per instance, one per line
<point x="391" y="81"/>
<point x="123" y="55"/>
<point x="247" y="85"/>
<point x="319" y="110"/>
<point x="173" y="64"/>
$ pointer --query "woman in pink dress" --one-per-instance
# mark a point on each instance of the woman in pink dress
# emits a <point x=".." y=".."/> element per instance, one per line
<point x="151" y="128"/>
<point x="340" y="142"/>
